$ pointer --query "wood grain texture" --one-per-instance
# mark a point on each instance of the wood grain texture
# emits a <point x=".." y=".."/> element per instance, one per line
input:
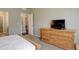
<point x="61" y="38"/>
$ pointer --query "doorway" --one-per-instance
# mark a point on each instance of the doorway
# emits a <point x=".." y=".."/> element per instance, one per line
<point x="3" y="23"/>
<point x="27" y="24"/>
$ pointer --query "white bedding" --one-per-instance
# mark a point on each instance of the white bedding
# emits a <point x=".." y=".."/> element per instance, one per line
<point x="15" y="42"/>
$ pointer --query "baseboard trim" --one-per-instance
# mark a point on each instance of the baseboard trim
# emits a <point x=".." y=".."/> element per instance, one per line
<point x="37" y="36"/>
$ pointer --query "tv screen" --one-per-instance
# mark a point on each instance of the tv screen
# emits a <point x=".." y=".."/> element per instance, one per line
<point x="58" y="24"/>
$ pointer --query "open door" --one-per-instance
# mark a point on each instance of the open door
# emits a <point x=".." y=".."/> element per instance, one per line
<point x="1" y="24"/>
<point x="30" y="24"/>
<point x="27" y="24"/>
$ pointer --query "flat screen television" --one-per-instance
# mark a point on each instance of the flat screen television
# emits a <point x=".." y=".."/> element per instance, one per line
<point x="58" y="24"/>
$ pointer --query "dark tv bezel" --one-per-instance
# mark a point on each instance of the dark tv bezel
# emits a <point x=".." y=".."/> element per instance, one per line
<point x="55" y="25"/>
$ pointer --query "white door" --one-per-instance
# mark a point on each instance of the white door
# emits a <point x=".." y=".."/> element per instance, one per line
<point x="30" y="24"/>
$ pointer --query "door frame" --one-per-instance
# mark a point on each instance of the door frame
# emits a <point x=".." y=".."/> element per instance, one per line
<point x="2" y="23"/>
<point x="30" y="22"/>
<point x="5" y="17"/>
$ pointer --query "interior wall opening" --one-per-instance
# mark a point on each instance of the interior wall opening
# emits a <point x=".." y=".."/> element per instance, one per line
<point x="3" y="23"/>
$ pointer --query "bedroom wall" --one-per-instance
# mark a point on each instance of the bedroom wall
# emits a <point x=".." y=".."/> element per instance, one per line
<point x="42" y="17"/>
<point x="15" y="19"/>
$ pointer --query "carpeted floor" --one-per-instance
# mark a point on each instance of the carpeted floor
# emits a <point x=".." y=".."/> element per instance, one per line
<point x="44" y="46"/>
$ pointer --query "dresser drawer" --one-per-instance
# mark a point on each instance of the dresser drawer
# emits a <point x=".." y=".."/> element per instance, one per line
<point x="60" y="38"/>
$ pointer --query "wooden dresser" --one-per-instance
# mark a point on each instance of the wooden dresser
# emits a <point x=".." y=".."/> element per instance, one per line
<point x="61" y="38"/>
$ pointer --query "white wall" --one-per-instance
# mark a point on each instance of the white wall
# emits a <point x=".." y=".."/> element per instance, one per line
<point x="15" y="20"/>
<point x="42" y="17"/>
<point x="72" y="21"/>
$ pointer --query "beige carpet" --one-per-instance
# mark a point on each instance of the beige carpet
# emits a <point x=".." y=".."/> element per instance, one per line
<point x="33" y="40"/>
<point x="40" y="44"/>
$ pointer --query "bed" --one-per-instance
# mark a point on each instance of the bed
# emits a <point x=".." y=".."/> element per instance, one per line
<point x="15" y="42"/>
